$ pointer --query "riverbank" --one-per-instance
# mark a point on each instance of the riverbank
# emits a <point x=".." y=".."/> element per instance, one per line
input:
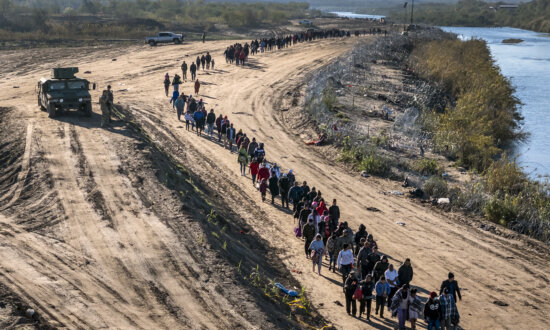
<point x="391" y="111"/>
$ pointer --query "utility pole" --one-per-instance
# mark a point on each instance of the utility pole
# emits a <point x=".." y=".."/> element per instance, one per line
<point x="412" y="11"/>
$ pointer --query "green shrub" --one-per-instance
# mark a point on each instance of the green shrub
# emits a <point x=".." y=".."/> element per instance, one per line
<point x="435" y="187"/>
<point x="375" y="164"/>
<point x="426" y="166"/>
<point x="506" y="177"/>
<point x="502" y="210"/>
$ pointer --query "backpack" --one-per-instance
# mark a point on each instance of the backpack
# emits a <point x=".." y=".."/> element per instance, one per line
<point x="358" y="294"/>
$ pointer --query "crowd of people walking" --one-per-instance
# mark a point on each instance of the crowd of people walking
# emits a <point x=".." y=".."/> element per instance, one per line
<point x="238" y="53"/>
<point x="367" y="274"/>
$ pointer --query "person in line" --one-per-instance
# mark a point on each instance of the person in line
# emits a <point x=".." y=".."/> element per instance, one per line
<point x="243" y="160"/>
<point x="263" y="189"/>
<point x="334" y="212"/>
<point x="198" y="61"/>
<point x="198" y="116"/>
<point x="308" y="233"/>
<point x="345" y="261"/>
<point x="317" y="248"/>
<point x="372" y="259"/>
<point x="208" y="60"/>
<point x="193" y="70"/>
<point x="260" y="152"/>
<point x="432" y="312"/>
<point x="166" y="83"/>
<point x="400" y="305"/>
<point x="213" y="64"/>
<point x="273" y="187"/>
<point x="382" y="289"/>
<point x="184" y="70"/>
<point x="295" y="195"/>
<point x="392" y="278"/>
<point x="203" y="61"/>
<point x="405" y="272"/>
<point x="449" y="312"/>
<point x="367" y="287"/>
<point x="263" y="172"/>
<point x="197" y="86"/>
<point x="210" y="121"/>
<point x="362" y="260"/>
<point x="350" y="285"/>
<point x="188" y="119"/>
<point x="415" y="308"/>
<point x="252" y="147"/>
<point x="361" y="233"/>
<point x="175" y="95"/>
<point x="219" y="121"/>
<point x="331" y="250"/>
<point x="180" y="105"/>
<point x="254" y="168"/>
<point x="176" y="82"/>
<point x="380" y="267"/>
<point x="452" y="285"/>
<point x="230" y="137"/>
<point x="284" y="187"/>
<point x="314" y="216"/>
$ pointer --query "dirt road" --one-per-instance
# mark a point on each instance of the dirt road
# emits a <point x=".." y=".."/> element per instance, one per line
<point x="89" y="253"/>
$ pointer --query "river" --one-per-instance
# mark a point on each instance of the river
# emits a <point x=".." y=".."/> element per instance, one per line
<point x="527" y="64"/>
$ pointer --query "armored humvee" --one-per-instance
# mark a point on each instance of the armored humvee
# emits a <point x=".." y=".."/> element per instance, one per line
<point x="64" y="91"/>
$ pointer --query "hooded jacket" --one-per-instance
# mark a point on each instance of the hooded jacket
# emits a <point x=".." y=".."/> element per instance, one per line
<point x="274" y="186"/>
<point x="405" y="274"/>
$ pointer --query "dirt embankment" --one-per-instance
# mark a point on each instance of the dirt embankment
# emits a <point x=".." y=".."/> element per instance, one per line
<point x="155" y="247"/>
<point x="144" y="255"/>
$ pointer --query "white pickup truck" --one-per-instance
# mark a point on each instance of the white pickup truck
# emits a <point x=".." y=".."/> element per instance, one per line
<point x="165" y="37"/>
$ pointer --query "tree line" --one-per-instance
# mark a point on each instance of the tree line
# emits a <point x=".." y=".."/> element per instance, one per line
<point x="533" y="15"/>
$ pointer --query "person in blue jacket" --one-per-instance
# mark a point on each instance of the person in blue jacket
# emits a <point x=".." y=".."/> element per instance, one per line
<point x="382" y="289"/>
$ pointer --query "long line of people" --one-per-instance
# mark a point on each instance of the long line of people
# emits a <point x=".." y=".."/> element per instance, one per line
<point x="367" y="274"/>
<point x="238" y="53"/>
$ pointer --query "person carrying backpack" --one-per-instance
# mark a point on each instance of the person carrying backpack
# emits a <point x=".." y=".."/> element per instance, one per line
<point x="259" y="153"/>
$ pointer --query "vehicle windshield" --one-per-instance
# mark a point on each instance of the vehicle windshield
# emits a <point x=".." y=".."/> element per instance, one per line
<point x="55" y="86"/>
<point x="76" y="85"/>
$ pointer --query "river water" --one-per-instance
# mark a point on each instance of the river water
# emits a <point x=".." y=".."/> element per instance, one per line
<point x="527" y="64"/>
<point x="349" y="14"/>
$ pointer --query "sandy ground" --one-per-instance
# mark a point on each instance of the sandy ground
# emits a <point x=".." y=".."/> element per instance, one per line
<point x="88" y="272"/>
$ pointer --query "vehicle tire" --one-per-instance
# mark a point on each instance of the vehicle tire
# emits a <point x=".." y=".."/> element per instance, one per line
<point x="152" y="43"/>
<point x="177" y="41"/>
<point x="88" y="110"/>
<point x="51" y="111"/>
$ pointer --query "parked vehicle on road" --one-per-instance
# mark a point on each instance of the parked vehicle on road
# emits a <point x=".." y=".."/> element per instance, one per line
<point x="165" y="37"/>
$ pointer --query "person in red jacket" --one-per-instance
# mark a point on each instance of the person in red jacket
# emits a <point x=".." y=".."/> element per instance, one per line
<point x="322" y="208"/>
<point x="254" y="168"/>
<point x="263" y="173"/>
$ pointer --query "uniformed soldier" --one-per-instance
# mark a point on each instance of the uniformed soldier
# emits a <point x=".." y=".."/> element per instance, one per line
<point x="105" y="109"/>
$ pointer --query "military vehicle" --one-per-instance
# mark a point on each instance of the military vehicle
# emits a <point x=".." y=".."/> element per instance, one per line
<point x="64" y="91"/>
